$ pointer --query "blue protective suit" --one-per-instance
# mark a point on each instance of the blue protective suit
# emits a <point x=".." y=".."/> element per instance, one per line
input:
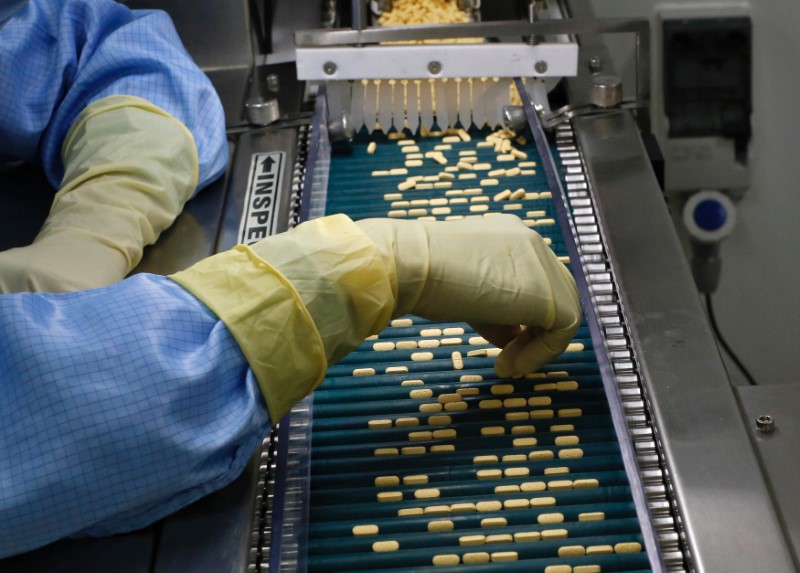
<point x="118" y="406"/>
<point x="56" y="57"/>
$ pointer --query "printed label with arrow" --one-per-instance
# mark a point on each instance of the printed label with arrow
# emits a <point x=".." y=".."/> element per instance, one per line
<point x="263" y="186"/>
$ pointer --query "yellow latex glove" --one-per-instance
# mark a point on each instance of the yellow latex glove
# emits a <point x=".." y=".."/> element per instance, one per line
<point x="129" y="169"/>
<point x="302" y="299"/>
<point x="494" y="273"/>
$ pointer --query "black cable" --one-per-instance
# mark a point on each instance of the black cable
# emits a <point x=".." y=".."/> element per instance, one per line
<point x="724" y="344"/>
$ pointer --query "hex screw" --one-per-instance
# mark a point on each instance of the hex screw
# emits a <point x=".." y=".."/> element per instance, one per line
<point x="329" y="68"/>
<point x="765" y="424"/>
<point x="435" y="67"/>
<point x="540" y="66"/>
<point x="595" y="64"/>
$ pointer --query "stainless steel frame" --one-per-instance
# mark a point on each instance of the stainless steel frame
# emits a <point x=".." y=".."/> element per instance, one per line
<point x="726" y="515"/>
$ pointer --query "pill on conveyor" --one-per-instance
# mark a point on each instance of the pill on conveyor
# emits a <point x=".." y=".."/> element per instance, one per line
<point x="440" y="159"/>
<point x="415" y="156"/>
<point x="514" y="416"/>
<point x="562" y="428"/>
<point x="396" y="370"/>
<point x="452" y="397"/>
<point x="560" y="484"/>
<point x="489" y="522"/>
<point x="507" y="489"/>
<point x="544" y="387"/>
<point x="541" y="455"/>
<point x="412" y="383"/>
<point x="588" y="483"/>
<point x="516" y="504"/>
<point x="464" y="135"/>
<point x="567" y="441"/>
<point x="410" y="512"/>
<point x="558" y="569"/>
<point x="570" y="412"/>
<point x="628" y="547"/>
<point x="442" y="185"/>
<point x="420" y="394"/>
<point x="487" y="459"/>
<point x="381" y="546"/>
<point x="586" y="569"/>
<point x="468" y="391"/>
<point x="496" y="173"/>
<point x="400" y="204"/>
<point x="429" y="408"/>
<point x="446" y="560"/>
<point x="422" y="436"/>
<point x="490" y="404"/>
<point x="384" y="481"/>
<point x="504" y="556"/>
<point x="484" y="506"/>
<point x="364" y="372"/>
<point x="516" y="472"/>
<point x="506" y="157"/>
<point x="398" y="171"/>
<point x="458" y="361"/>
<point x="513" y="172"/>
<point x="386" y="451"/>
<point x="413" y="450"/>
<point x="515" y="403"/>
<point x="404" y="142"/>
<point x="401" y="322"/>
<point x="395" y="135"/>
<point x="493" y="431"/>
<point x="566" y="386"/>
<point x="437" y="510"/>
<point x="451" y="139"/>
<point x="549" y="534"/>
<point x="464" y="166"/>
<point x="416" y="479"/>
<point x="548" y="518"/>
<point x="446" y="176"/>
<point x="392" y="196"/>
<point x="419" y="356"/>
<point x="441" y="420"/>
<point x="451" y="168"/>
<point x="599" y="550"/>
<point x="534" y="486"/>
<point x="570" y="453"/>
<point x="500" y="538"/>
<point x="428" y="493"/>
<point x="484" y="144"/>
<point x="489" y="474"/>
<point x="410" y="149"/>
<point x="541" y="414"/>
<point x="406" y="421"/>
<point x="475" y="558"/>
<point x="379" y="424"/>
<point x="523" y="429"/>
<point x="464" y="507"/>
<point x="502" y="389"/>
<point x="383" y="346"/>
<point x="406" y="345"/>
<point x="469" y="540"/>
<point x="366" y="530"/>
<point x="380" y="173"/>
<point x="387" y="496"/>
<point x="529" y="172"/>
<point x="514" y="458"/>
<point x="524" y="442"/>
<point x="455" y="406"/>
<point x="433" y="343"/>
<point x="397" y="213"/>
<point x="492" y="181"/>
<point x="519" y="154"/>
<point x="478" y="208"/>
<point x="556" y="471"/>
<point x="413" y="163"/>
<point x="512" y="207"/>
<point x="518" y="194"/>
<point x="464" y="176"/>
<point x="443" y="147"/>
<point x="480" y="166"/>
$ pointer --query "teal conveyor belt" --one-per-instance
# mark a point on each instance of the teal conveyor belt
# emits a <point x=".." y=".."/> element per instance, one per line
<point x="421" y="457"/>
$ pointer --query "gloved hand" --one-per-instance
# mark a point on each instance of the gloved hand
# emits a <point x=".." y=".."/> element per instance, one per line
<point x="298" y="300"/>
<point x="129" y="169"/>
<point x="494" y="273"/>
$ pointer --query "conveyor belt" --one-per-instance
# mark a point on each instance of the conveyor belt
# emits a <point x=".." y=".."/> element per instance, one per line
<point x="527" y="470"/>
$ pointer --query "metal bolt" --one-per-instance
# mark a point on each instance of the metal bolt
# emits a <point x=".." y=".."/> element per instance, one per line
<point x="765" y="424"/>
<point x="540" y="66"/>
<point x="329" y="68"/>
<point x="434" y="67"/>
<point x="273" y="82"/>
<point x="595" y="64"/>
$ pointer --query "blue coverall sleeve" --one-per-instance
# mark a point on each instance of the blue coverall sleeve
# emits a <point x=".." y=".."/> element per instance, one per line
<point x="56" y="57"/>
<point x="118" y="406"/>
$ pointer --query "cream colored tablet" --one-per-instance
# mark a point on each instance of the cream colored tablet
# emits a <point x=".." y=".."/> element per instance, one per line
<point x="383" y="481"/>
<point x="366" y="530"/>
<point x="379" y="424"/>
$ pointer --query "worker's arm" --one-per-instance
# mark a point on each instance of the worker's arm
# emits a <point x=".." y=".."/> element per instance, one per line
<point x="121" y="405"/>
<point x="127" y="129"/>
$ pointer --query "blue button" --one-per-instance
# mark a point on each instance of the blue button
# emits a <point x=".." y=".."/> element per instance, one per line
<point x="710" y="215"/>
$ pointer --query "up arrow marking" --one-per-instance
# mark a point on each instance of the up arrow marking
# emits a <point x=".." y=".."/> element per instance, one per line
<point x="266" y="165"/>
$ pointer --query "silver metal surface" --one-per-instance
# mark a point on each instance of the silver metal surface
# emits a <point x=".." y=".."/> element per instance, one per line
<point x="605" y="90"/>
<point x="778" y="450"/>
<point x="713" y="471"/>
<point x="262" y="111"/>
